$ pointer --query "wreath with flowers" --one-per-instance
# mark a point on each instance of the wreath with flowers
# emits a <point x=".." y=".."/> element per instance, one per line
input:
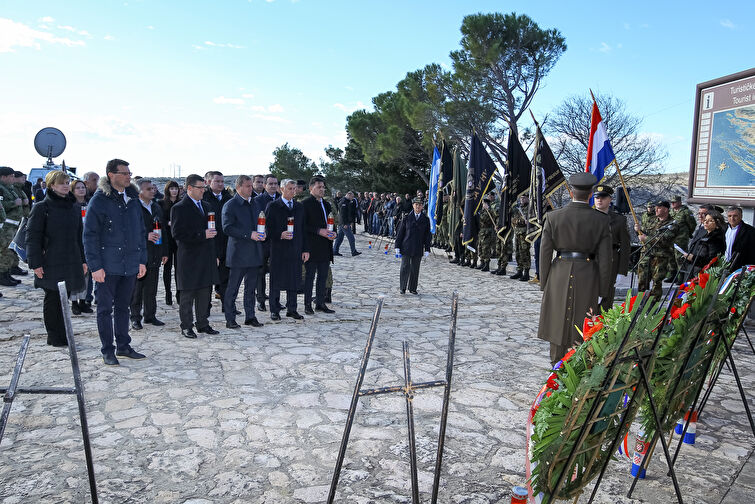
<point x="563" y="404"/>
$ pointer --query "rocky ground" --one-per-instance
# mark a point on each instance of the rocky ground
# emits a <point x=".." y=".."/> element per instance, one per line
<point x="256" y="415"/>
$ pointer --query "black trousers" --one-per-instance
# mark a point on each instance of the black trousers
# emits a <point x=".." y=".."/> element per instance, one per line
<point x="235" y="276"/>
<point x="145" y="294"/>
<point x="264" y="269"/>
<point x="167" y="271"/>
<point x="200" y="298"/>
<point x="223" y="273"/>
<point x="52" y="312"/>
<point x="409" y="272"/>
<point x="321" y="268"/>
<point x="275" y="296"/>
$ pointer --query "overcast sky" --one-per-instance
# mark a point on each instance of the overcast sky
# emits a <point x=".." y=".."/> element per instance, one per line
<point x="218" y="85"/>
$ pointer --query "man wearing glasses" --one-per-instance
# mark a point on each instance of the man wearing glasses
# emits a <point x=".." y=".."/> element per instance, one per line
<point x="196" y="258"/>
<point x="116" y="252"/>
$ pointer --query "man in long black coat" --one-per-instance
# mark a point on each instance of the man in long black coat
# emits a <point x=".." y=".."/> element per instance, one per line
<point x="287" y="249"/>
<point x="412" y="242"/>
<point x="217" y="196"/>
<point x="316" y="212"/>
<point x="244" y="252"/>
<point x="196" y="258"/>
<point x="269" y="194"/>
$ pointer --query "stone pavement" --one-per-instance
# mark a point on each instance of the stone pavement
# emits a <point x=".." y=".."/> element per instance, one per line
<point x="256" y="415"/>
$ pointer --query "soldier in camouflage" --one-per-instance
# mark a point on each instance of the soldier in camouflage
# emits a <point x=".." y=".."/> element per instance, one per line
<point x="18" y="187"/>
<point x="686" y="225"/>
<point x="13" y="205"/>
<point x="647" y="220"/>
<point x="659" y="240"/>
<point x="522" y="246"/>
<point x="486" y="238"/>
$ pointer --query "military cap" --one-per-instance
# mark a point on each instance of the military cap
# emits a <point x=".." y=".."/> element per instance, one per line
<point x="582" y="180"/>
<point x="677" y="199"/>
<point x="17" y="173"/>
<point x="6" y="170"/>
<point x="603" y="190"/>
<point x="663" y="203"/>
<point x="418" y="200"/>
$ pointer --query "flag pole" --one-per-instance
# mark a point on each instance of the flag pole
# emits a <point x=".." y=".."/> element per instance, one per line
<point x="621" y="178"/>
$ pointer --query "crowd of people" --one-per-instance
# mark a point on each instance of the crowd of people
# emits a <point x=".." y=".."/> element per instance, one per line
<point x="108" y="237"/>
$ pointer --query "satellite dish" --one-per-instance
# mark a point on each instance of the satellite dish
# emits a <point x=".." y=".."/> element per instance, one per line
<point x="50" y="143"/>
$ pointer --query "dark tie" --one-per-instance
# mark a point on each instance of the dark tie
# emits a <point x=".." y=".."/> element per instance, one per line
<point x="290" y="205"/>
<point x="416" y="216"/>
<point x="199" y="205"/>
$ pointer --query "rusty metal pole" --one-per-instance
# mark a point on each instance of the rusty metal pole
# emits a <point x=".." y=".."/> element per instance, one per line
<point x="354" y="401"/>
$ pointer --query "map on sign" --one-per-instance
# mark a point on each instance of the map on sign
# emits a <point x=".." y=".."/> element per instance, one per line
<point x="732" y="148"/>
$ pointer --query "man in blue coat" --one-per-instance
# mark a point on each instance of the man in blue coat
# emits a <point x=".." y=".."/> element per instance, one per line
<point x="412" y="242"/>
<point x="116" y="252"/>
<point x="244" y="252"/>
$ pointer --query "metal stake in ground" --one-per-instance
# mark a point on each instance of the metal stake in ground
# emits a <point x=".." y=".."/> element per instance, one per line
<point x="13" y="389"/>
<point x="407" y="388"/>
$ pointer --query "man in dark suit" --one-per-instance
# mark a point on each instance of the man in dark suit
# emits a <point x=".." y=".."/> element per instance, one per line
<point x="244" y="251"/>
<point x="580" y="273"/>
<point x="320" y="238"/>
<point x="196" y="258"/>
<point x="264" y="199"/>
<point x="412" y="242"/>
<point x="348" y="215"/>
<point x="287" y="249"/>
<point x="620" y="245"/>
<point x="740" y="239"/>
<point x="217" y="196"/>
<point x="145" y="290"/>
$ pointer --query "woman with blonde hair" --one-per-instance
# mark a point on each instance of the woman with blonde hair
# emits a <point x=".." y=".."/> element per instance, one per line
<point x="51" y="252"/>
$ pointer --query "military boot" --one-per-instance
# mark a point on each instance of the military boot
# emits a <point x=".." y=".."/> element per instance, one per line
<point x="501" y="269"/>
<point x="7" y="280"/>
<point x="473" y="263"/>
<point x="525" y="275"/>
<point x="517" y="275"/>
<point x="485" y="266"/>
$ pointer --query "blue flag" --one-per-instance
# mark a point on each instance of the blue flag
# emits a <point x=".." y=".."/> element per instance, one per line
<point x="434" y="174"/>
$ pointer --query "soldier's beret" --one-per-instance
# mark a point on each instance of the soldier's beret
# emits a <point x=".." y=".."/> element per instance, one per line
<point x="663" y="203"/>
<point x="677" y="199"/>
<point x="418" y="200"/>
<point x="582" y="180"/>
<point x="603" y="190"/>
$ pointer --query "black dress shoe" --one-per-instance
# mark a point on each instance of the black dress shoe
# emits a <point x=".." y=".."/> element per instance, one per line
<point x="232" y="325"/>
<point x="188" y="333"/>
<point x="261" y="307"/>
<point x="355" y="253"/>
<point x="208" y="330"/>
<point x="414" y="292"/>
<point x="275" y="316"/>
<point x="294" y="315"/>
<point x="253" y="322"/>
<point x="110" y="360"/>
<point x="324" y="309"/>
<point x="131" y="354"/>
<point x="75" y="308"/>
<point x="84" y="307"/>
<point x="402" y="291"/>
<point x="136" y="325"/>
<point x="308" y="310"/>
<point x="155" y="322"/>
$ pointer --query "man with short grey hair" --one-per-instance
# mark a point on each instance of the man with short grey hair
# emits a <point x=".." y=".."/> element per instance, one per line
<point x="91" y="179"/>
<point x="740" y="239"/>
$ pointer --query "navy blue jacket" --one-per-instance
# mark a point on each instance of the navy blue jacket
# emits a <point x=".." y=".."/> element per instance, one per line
<point x="413" y="236"/>
<point x="239" y="220"/>
<point x="114" y="233"/>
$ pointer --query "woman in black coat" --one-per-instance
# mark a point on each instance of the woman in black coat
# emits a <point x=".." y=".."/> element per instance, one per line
<point x="709" y="245"/>
<point x="55" y="251"/>
<point x="172" y="196"/>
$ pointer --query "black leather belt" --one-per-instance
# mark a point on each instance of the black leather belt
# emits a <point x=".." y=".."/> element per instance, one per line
<point x="575" y="255"/>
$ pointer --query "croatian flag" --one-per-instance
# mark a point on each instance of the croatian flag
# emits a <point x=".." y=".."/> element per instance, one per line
<point x="599" y="151"/>
<point x="434" y="174"/>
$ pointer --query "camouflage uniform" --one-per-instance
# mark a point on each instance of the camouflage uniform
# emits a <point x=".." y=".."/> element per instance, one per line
<point x="25" y="211"/>
<point x="686" y="225"/>
<point x="654" y="264"/>
<point x="522" y="246"/>
<point x="504" y="250"/>
<point x="486" y="238"/>
<point x="8" y="258"/>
